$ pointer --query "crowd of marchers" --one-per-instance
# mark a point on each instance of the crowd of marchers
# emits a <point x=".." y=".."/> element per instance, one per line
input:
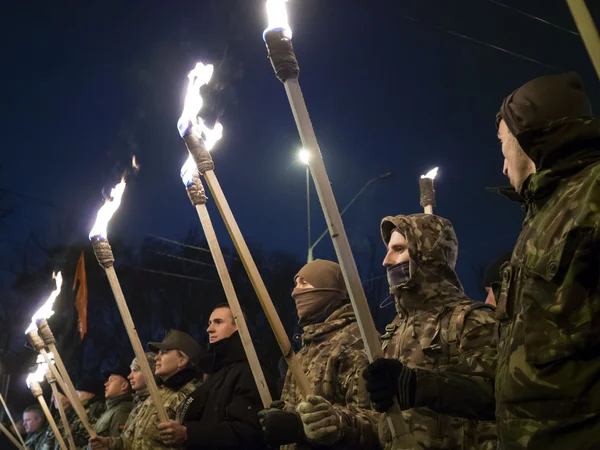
<point x="518" y="371"/>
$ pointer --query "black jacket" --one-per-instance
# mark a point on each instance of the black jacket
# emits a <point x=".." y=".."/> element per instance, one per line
<point x="222" y="412"/>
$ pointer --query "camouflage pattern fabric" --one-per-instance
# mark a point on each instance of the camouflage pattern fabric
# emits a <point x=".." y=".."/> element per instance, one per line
<point x="548" y="380"/>
<point x="112" y="422"/>
<point x="443" y="334"/>
<point x="38" y="439"/>
<point x="94" y="409"/>
<point x="333" y="359"/>
<point x="141" y="432"/>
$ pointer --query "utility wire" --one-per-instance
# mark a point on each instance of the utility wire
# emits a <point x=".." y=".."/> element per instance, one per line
<point x="486" y="44"/>
<point x="531" y="16"/>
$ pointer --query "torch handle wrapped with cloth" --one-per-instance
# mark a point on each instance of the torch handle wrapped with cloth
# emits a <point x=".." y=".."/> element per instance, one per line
<point x="60" y="373"/>
<point x="106" y="259"/>
<point x="277" y="37"/>
<point x="37" y="392"/>
<point x="198" y="198"/>
<point x="199" y="139"/>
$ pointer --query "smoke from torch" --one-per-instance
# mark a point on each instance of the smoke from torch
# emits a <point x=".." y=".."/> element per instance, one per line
<point x="46" y="310"/>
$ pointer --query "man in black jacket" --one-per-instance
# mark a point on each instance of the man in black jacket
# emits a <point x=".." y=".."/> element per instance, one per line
<point x="222" y="412"/>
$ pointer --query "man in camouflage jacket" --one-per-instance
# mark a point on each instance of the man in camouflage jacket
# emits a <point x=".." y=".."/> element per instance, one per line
<point x="439" y="357"/>
<point x="548" y="379"/>
<point x="338" y="415"/>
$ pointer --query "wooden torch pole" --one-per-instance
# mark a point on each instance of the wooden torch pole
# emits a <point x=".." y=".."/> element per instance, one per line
<point x="587" y="30"/>
<point x="11" y="437"/>
<point x="205" y="166"/>
<point x="106" y="259"/>
<point x="61" y="410"/>
<point x="198" y="198"/>
<point x="36" y="390"/>
<point x="285" y="64"/>
<point x="11" y="419"/>
<point x="68" y="389"/>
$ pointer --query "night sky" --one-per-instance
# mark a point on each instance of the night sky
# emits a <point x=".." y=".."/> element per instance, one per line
<point x="88" y="84"/>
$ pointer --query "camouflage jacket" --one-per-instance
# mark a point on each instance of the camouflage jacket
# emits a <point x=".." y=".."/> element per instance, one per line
<point x="94" y="408"/>
<point x="141" y="433"/>
<point x="50" y="441"/>
<point x="38" y="439"/>
<point x="443" y="334"/>
<point x="333" y="359"/>
<point x="548" y="380"/>
<point x="112" y="422"/>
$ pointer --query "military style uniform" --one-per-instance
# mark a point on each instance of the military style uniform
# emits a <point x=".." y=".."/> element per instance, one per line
<point x="142" y="432"/>
<point x="333" y="359"/>
<point x="444" y="335"/>
<point x="548" y="380"/>
<point x="112" y="422"/>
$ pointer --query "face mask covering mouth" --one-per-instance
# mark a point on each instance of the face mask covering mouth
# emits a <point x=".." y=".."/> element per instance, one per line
<point x="315" y="305"/>
<point x="398" y="274"/>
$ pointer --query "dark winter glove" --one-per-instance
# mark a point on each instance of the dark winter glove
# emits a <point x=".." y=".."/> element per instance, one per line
<point x="389" y="379"/>
<point x="280" y="427"/>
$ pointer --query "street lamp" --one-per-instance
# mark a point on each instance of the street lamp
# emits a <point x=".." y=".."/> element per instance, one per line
<point x="366" y="185"/>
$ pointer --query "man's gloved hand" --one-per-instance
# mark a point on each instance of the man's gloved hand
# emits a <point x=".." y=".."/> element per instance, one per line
<point x="388" y="379"/>
<point x="98" y="443"/>
<point x="280" y="427"/>
<point x="322" y="423"/>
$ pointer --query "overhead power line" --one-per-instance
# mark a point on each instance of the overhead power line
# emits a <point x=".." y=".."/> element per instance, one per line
<point x="484" y="43"/>
<point x="531" y="16"/>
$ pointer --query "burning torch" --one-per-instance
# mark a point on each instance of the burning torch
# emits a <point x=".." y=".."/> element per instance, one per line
<point x="427" y="191"/>
<point x="8" y="433"/>
<point x="278" y="38"/>
<point x="195" y="190"/>
<point x="39" y="344"/>
<point x="51" y="379"/>
<point x="104" y="254"/>
<point x="33" y="383"/>
<point x="199" y="139"/>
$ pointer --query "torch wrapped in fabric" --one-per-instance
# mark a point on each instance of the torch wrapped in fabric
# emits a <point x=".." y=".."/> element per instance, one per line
<point x="427" y="191"/>
<point x="199" y="139"/>
<point x="104" y="254"/>
<point x="195" y="190"/>
<point x="52" y="358"/>
<point x="33" y="383"/>
<point x="51" y="379"/>
<point x="278" y="38"/>
<point x="12" y="421"/>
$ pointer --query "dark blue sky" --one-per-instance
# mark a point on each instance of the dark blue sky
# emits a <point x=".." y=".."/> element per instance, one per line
<point x="88" y="84"/>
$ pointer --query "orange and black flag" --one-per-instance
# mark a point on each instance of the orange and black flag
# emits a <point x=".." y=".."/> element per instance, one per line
<point x="80" y="289"/>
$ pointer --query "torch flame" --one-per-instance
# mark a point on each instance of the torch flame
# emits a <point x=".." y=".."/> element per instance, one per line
<point x="38" y="375"/>
<point x="134" y="164"/>
<point x="431" y="174"/>
<point x="46" y="310"/>
<point x="277" y="18"/>
<point x="188" y="170"/>
<point x="41" y="360"/>
<point x="198" y="77"/>
<point x="107" y="210"/>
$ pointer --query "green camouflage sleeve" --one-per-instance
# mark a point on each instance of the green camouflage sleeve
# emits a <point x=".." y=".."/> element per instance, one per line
<point x="464" y="389"/>
<point x="359" y="421"/>
<point x="115" y="443"/>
